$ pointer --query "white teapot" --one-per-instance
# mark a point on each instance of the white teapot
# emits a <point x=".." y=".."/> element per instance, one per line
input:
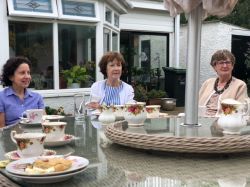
<point x="234" y="115"/>
<point x="107" y="115"/>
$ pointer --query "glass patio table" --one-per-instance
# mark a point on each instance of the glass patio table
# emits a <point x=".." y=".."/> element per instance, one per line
<point x="112" y="164"/>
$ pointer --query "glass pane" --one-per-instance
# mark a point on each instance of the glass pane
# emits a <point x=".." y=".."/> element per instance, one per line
<point x="34" y="40"/>
<point x="75" y="8"/>
<point x="116" y="17"/>
<point x="33" y="5"/>
<point x="108" y="15"/>
<point x="146" y="55"/>
<point x="77" y="51"/>
<point x="106" y="40"/>
<point x="115" y="41"/>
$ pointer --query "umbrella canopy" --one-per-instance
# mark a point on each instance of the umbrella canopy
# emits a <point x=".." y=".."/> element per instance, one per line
<point x="196" y="10"/>
<point x="210" y="7"/>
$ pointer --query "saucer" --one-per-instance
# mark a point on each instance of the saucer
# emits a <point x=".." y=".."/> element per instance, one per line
<point x="29" y="123"/>
<point x="13" y="155"/>
<point x="66" y="139"/>
<point x="161" y="115"/>
<point x="53" y="117"/>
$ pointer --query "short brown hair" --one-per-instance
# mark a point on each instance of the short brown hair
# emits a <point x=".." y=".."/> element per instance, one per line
<point x="109" y="57"/>
<point x="223" y="54"/>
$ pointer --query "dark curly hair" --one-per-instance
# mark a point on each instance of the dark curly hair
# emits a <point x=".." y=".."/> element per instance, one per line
<point x="10" y="67"/>
<point x="109" y="57"/>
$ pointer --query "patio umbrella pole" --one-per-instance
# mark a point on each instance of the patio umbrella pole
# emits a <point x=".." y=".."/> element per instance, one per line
<point x="193" y="66"/>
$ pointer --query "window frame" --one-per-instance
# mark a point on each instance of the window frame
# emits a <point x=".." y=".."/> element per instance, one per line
<point x="13" y="12"/>
<point x="112" y="12"/>
<point x="111" y="31"/>
<point x="116" y="14"/>
<point x="79" y="18"/>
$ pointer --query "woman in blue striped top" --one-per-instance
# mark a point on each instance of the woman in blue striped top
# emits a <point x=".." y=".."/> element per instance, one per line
<point x="112" y="90"/>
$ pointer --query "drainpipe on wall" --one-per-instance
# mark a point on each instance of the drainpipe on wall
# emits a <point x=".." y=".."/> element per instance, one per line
<point x="177" y="41"/>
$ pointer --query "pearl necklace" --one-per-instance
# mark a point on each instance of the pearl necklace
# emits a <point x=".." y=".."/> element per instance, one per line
<point x="223" y="89"/>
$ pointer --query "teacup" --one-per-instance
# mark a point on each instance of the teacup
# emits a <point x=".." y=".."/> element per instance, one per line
<point x="153" y="110"/>
<point x="54" y="130"/>
<point x="135" y="113"/>
<point x="231" y="106"/>
<point x="33" y="115"/>
<point x="29" y="144"/>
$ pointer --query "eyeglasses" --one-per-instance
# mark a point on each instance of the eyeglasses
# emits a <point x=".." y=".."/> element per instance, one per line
<point x="220" y="63"/>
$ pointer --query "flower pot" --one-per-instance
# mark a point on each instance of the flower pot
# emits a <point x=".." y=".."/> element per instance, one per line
<point x="154" y="101"/>
<point x="74" y="85"/>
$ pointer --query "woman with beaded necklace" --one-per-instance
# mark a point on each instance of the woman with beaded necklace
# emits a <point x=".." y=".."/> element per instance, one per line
<point x="224" y="86"/>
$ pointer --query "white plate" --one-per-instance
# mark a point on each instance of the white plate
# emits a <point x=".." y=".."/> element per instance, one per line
<point x="67" y="139"/>
<point x="78" y="163"/>
<point x="47" y="179"/>
<point x="52" y="117"/>
<point x="12" y="155"/>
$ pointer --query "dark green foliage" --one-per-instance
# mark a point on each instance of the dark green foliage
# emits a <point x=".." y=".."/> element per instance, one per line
<point x="156" y="94"/>
<point x="140" y="93"/>
<point x="53" y="111"/>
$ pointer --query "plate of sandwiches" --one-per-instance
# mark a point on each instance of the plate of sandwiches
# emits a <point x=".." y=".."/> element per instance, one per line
<point x="47" y="169"/>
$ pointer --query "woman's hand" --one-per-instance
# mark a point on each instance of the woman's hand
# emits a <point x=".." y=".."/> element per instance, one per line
<point x="93" y="105"/>
<point x="2" y="119"/>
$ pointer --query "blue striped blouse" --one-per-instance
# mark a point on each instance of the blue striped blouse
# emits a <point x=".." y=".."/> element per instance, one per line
<point x="112" y="95"/>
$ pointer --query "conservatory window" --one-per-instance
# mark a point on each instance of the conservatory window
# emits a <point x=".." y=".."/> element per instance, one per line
<point x="114" y="41"/>
<point x="106" y="40"/>
<point x="34" y="40"/>
<point x="110" y="40"/>
<point x="116" y="20"/>
<point x="33" y="8"/>
<point x="108" y="15"/>
<point x="77" y="46"/>
<point x="78" y="10"/>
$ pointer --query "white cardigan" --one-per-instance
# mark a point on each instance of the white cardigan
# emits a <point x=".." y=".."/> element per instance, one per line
<point x="126" y="94"/>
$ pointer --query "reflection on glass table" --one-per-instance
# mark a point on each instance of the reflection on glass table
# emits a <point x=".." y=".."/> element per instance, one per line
<point x="168" y="134"/>
<point x="116" y="165"/>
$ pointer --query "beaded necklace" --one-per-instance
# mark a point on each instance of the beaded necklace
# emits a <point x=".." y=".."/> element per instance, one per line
<point x="223" y="89"/>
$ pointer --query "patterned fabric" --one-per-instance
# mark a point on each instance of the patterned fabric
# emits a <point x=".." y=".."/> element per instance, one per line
<point x="212" y="105"/>
<point x="112" y="95"/>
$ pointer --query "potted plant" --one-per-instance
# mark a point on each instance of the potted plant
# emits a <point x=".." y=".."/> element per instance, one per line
<point x="154" y="96"/>
<point x="75" y="76"/>
<point x="140" y="93"/>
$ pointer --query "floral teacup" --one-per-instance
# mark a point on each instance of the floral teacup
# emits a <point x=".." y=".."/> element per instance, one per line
<point x="153" y="111"/>
<point x="234" y="116"/>
<point x="33" y="115"/>
<point x="29" y="144"/>
<point x="135" y="113"/>
<point x="54" y="130"/>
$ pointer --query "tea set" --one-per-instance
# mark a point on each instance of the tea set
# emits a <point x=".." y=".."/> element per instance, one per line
<point x="134" y="113"/>
<point x="234" y="115"/>
<point x="31" y="144"/>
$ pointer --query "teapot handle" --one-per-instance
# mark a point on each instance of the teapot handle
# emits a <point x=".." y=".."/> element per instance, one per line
<point x="247" y="100"/>
<point x="12" y="134"/>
